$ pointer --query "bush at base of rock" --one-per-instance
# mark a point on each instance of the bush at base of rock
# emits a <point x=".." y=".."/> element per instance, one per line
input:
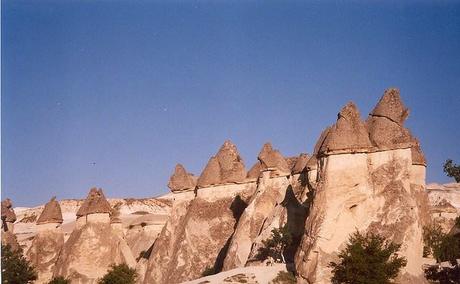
<point x="284" y="277"/>
<point x="15" y="268"/>
<point x="274" y="246"/>
<point x="59" y="280"/>
<point x="367" y="259"/>
<point x="119" y="274"/>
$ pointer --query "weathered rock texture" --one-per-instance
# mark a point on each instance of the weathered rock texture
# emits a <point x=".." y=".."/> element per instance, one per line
<point x="300" y="164"/>
<point x="198" y="239"/>
<point x="273" y="161"/>
<point x="51" y="213"/>
<point x="94" y="203"/>
<point x="181" y="180"/>
<point x="372" y="190"/>
<point x="8" y="219"/>
<point x="385" y="122"/>
<point x="224" y="168"/>
<point x="94" y="245"/>
<point x="48" y="242"/>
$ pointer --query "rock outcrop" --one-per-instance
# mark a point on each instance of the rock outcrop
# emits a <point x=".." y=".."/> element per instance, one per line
<point x="272" y="160"/>
<point x="267" y="209"/>
<point x="385" y="123"/>
<point x="367" y="186"/>
<point x="197" y="235"/>
<point x="225" y="168"/>
<point x="181" y="180"/>
<point x="93" y="245"/>
<point x="48" y="242"/>
<point x="8" y="219"/>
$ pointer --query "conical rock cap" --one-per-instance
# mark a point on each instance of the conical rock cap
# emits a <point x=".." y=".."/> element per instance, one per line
<point x="94" y="203"/>
<point x="51" y="213"/>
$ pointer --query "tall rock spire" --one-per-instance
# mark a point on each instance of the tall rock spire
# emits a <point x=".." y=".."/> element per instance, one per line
<point x="51" y="213"/>
<point x="8" y="214"/>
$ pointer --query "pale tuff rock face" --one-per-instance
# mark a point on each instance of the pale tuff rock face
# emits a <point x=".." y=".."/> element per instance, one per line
<point x="44" y="251"/>
<point x="386" y="123"/>
<point x="89" y="252"/>
<point x="198" y="239"/>
<point x="273" y="161"/>
<point x="368" y="191"/>
<point x="269" y="193"/>
<point x="226" y="167"/>
<point x="273" y="205"/>
<point x="166" y="244"/>
<point x="348" y="134"/>
<point x="94" y="203"/>
<point x="181" y="180"/>
<point x="51" y="213"/>
<point x="444" y="203"/>
<point x="300" y="164"/>
<point x="365" y="192"/>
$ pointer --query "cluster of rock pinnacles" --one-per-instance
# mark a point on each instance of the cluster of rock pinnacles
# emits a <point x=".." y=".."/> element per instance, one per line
<point x="362" y="175"/>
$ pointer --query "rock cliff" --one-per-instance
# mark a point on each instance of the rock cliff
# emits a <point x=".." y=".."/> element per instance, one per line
<point x="365" y="184"/>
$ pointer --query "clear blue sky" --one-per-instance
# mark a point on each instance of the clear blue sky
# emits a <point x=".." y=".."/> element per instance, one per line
<point x="137" y="86"/>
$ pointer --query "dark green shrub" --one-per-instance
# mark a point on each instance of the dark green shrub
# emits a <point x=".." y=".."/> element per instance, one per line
<point x="443" y="275"/>
<point x="15" y="268"/>
<point x="208" y="271"/>
<point x="367" y="259"/>
<point x="119" y="274"/>
<point x="59" y="280"/>
<point x="452" y="170"/>
<point x="443" y="247"/>
<point x="284" y="277"/>
<point x="432" y="239"/>
<point x="275" y="246"/>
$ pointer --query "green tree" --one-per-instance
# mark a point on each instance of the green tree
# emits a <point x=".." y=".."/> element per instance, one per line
<point x="119" y="274"/>
<point x="367" y="259"/>
<point x="452" y="170"/>
<point x="274" y="246"/>
<point x="443" y="247"/>
<point x="15" y="268"/>
<point x="59" y="280"/>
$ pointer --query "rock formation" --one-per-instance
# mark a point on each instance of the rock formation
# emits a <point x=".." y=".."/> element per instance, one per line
<point x="385" y="122"/>
<point x="48" y="241"/>
<point x="265" y="209"/>
<point x="300" y="164"/>
<point x="272" y="160"/>
<point x="366" y="187"/>
<point x="181" y="180"/>
<point x="8" y="219"/>
<point x="93" y="245"/>
<point x="225" y="168"/>
<point x="196" y="236"/>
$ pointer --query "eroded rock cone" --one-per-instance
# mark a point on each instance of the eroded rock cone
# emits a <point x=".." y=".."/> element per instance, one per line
<point x="254" y="172"/>
<point x="386" y="122"/>
<point x="231" y="164"/>
<point x="94" y="203"/>
<point x="211" y="174"/>
<point x="226" y="167"/>
<point x="391" y="107"/>
<point x="272" y="160"/>
<point x="181" y="180"/>
<point x="301" y="163"/>
<point x="348" y="134"/>
<point x="418" y="158"/>
<point x="8" y="219"/>
<point x="51" y="213"/>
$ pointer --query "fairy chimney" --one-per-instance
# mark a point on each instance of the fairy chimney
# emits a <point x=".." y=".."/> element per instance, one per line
<point x="95" y="208"/>
<point x="224" y="168"/>
<point x="272" y="160"/>
<point x="180" y="180"/>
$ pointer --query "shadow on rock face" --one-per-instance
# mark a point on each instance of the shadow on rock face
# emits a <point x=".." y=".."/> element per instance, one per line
<point x="238" y="205"/>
